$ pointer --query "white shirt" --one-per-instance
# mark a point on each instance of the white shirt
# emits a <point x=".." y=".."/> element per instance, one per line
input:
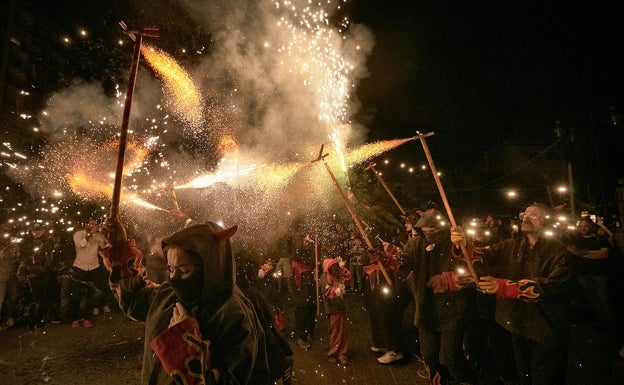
<point x="87" y="250"/>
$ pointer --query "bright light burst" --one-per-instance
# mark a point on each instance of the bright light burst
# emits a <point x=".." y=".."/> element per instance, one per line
<point x="183" y="97"/>
<point x="226" y="174"/>
<point x="370" y="150"/>
<point x="315" y="52"/>
<point x="83" y="185"/>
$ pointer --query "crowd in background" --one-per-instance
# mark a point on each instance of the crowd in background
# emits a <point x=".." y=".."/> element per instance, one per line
<point x="44" y="279"/>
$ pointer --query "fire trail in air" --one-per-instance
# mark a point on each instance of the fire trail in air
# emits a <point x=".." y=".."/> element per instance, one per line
<point x="264" y="177"/>
<point x="370" y="150"/>
<point x="183" y="97"/>
<point x="82" y="184"/>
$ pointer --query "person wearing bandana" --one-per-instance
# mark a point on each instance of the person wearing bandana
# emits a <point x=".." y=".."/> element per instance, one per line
<point x="434" y="273"/>
<point x="199" y="327"/>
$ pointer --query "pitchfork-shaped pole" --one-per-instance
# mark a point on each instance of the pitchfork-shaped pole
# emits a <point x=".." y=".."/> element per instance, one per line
<point x="137" y="37"/>
<point x="322" y="157"/>
<point x="447" y="206"/>
<point x="385" y="186"/>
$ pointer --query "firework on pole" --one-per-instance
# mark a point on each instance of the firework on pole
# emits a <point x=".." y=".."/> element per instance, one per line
<point x="137" y="37"/>
<point x="322" y="157"/>
<point x="466" y="255"/>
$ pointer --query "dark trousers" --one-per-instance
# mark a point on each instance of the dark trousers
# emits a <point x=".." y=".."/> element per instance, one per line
<point x="305" y="307"/>
<point x="540" y="363"/>
<point x="443" y="353"/>
<point x="79" y="294"/>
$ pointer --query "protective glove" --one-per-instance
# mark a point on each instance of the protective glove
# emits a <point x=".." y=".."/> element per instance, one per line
<point x="438" y="283"/>
<point x="458" y="237"/>
<point x="183" y="353"/>
<point x="488" y="285"/>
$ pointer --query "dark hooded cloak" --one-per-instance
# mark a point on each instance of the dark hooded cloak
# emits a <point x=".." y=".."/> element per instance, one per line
<point x="225" y="317"/>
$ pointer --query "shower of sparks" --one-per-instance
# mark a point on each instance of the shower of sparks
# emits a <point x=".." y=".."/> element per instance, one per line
<point x="314" y="52"/>
<point x="226" y="174"/>
<point x="370" y="150"/>
<point x="245" y="187"/>
<point x="339" y="148"/>
<point x="273" y="176"/>
<point x="183" y="96"/>
<point x="83" y="185"/>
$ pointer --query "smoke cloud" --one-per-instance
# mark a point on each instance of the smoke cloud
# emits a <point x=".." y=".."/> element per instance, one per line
<point x="277" y="77"/>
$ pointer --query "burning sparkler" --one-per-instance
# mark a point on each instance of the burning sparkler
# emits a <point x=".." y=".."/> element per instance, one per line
<point x="82" y="184"/>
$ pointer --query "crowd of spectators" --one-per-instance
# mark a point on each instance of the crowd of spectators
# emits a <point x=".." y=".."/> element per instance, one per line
<point x="508" y="325"/>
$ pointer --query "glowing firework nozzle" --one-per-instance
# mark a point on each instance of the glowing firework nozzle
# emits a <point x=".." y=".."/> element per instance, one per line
<point x="150" y="31"/>
<point x="421" y="136"/>
<point x="320" y="156"/>
<point x="371" y="166"/>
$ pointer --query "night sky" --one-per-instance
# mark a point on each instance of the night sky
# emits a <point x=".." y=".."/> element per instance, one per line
<point x="477" y="73"/>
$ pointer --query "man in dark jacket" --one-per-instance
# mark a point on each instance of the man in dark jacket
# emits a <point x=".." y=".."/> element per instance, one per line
<point x="530" y="277"/>
<point x="440" y="300"/>
<point x="200" y="328"/>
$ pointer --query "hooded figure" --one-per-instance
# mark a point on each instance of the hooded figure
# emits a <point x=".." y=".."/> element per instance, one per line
<point x="440" y="304"/>
<point x="335" y="279"/>
<point x="220" y="340"/>
<point x="431" y="225"/>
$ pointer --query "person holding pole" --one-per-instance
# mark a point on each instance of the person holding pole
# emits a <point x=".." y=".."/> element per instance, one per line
<point x="439" y="280"/>
<point x="199" y="326"/>
<point x="531" y="279"/>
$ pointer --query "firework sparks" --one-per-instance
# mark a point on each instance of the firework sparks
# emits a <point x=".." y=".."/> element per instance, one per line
<point x="228" y="174"/>
<point x="83" y="185"/>
<point x="183" y="96"/>
<point x="370" y="150"/>
<point x="314" y="51"/>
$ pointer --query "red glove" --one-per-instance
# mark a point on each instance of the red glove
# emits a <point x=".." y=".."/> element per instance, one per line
<point x="183" y="353"/>
<point x="438" y="283"/>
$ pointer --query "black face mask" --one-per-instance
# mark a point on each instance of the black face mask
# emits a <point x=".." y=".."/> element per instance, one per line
<point x="189" y="290"/>
<point x="435" y="236"/>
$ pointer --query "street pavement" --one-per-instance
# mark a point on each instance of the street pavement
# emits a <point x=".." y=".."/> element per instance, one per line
<point x="110" y="353"/>
<point x="312" y="367"/>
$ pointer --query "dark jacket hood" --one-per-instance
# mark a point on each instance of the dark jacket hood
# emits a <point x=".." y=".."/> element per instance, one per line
<point x="211" y="242"/>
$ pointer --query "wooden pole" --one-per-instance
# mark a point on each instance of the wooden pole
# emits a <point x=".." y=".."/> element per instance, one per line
<point x="385" y="186"/>
<point x="464" y="251"/>
<point x="316" y="275"/>
<point x="176" y="204"/>
<point x="352" y="213"/>
<point x="137" y="36"/>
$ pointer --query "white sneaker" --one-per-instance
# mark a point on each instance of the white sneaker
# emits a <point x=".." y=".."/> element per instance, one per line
<point x="390" y="357"/>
